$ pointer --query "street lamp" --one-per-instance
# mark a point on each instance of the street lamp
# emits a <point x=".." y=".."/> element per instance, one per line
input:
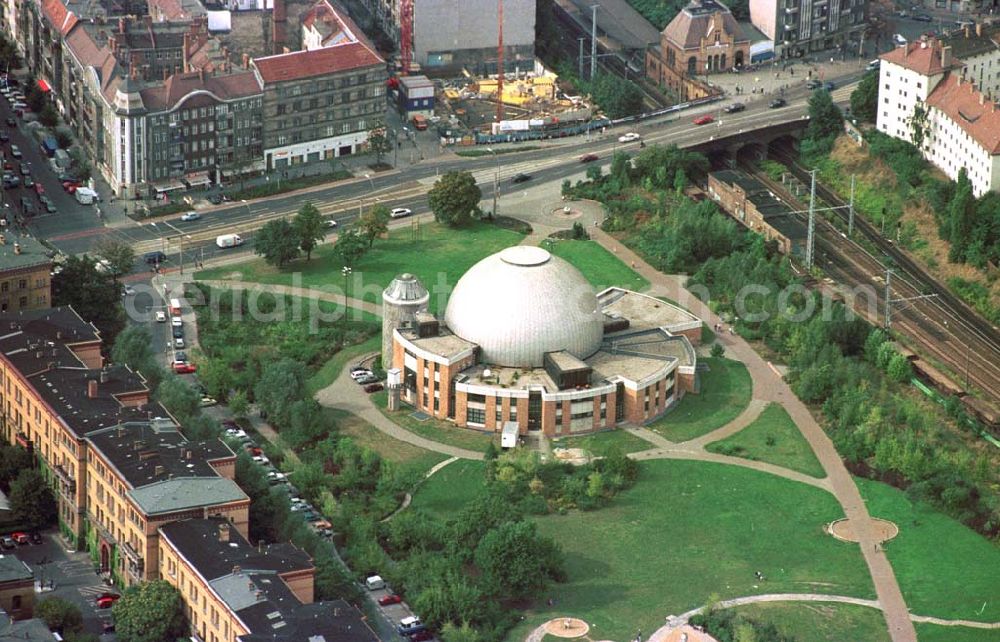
<point x="346" y="272"/>
<point x="496" y="181"/>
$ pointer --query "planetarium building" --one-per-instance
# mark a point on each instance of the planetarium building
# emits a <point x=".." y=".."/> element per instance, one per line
<point x="525" y="339"/>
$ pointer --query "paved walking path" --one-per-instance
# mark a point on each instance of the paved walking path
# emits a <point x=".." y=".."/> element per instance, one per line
<point x="409" y="496"/>
<point x="768" y="386"/>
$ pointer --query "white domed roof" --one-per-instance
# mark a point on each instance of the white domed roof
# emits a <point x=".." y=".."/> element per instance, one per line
<point x="522" y="302"/>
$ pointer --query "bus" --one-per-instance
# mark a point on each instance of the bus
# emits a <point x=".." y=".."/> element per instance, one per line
<point x="175" y="307"/>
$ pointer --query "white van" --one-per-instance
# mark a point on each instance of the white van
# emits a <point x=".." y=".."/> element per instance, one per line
<point x="374" y="583"/>
<point x="228" y="240"/>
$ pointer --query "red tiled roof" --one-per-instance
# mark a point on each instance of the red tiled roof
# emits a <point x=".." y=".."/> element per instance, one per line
<point x="923" y="57"/>
<point x="176" y="87"/>
<point x="696" y="21"/>
<point x="85" y="49"/>
<point x="974" y="113"/>
<point x="61" y="18"/>
<point x="318" y="62"/>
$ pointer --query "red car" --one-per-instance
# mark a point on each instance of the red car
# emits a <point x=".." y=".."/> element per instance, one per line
<point x="20" y="538"/>
<point x="588" y="158"/>
<point x="39" y="189"/>
<point x="703" y="120"/>
<point x="70" y="186"/>
<point x="373" y="387"/>
<point x="422" y="636"/>
<point x="254" y="451"/>
<point x="185" y="368"/>
<point x="391" y="598"/>
<point x="106" y="600"/>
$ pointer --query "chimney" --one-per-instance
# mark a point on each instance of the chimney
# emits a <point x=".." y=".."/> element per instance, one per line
<point x="224" y="538"/>
<point x="246" y="61"/>
<point x="59" y="334"/>
<point x="17" y="248"/>
<point x="38" y="354"/>
<point x="104" y="376"/>
<point x="236" y="569"/>
<point x="121" y="24"/>
<point x="92" y="389"/>
<point x="982" y="98"/>
<point x="979" y="30"/>
<point x="966" y="30"/>
<point x="158" y="470"/>
<point x="946" y="57"/>
<point x="201" y="75"/>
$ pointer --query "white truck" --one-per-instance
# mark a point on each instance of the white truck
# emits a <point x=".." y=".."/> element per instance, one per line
<point x="228" y="240"/>
<point x="85" y="195"/>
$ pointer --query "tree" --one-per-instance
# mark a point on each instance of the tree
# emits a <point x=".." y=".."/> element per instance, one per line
<point x="13" y="459"/>
<point x="31" y="500"/>
<point x="616" y="96"/>
<point x="178" y="397"/>
<point x="49" y="116"/>
<point x="515" y="561"/>
<point x="464" y="633"/>
<point x="277" y="242"/>
<point x="961" y="217"/>
<point x="238" y="403"/>
<point x="132" y="347"/>
<point x="308" y="226"/>
<point x="60" y="615"/>
<point x="899" y="368"/>
<point x="378" y="141"/>
<point x="374" y="223"/>
<point x="864" y="98"/>
<point x="918" y="125"/>
<point x="281" y="385"/>
<point x="454" y="197"/>
<point x="81" y="163"/>
<point x="350" y="247"/>
<point x="718" y="351"/>
<point x="825" y="124"/>
<point x="149" y="612"/>
<point x="120" y="256"/>
<point x="94" y="295"/>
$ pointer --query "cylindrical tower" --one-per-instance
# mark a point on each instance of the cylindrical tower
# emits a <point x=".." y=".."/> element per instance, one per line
<point x="401" y="301"/>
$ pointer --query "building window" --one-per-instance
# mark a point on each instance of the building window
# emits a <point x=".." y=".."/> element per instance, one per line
<point x="476" y="416"/>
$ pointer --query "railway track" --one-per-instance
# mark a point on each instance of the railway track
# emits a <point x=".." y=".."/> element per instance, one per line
<point x="945" y="333"/>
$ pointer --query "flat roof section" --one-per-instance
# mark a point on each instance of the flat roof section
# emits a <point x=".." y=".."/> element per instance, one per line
<point x="643" y="311"/>
<point x="446" y="345"/>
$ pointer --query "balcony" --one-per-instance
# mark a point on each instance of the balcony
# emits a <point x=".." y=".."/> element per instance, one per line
<point x="136" y="564"/>
<point x="67" y="485"/>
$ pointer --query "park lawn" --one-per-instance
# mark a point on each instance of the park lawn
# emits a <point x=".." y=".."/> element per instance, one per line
<point x="725" y="393"/>
<point x="445" y="493"/>
<point x="943" y="568"/>
<point x="687" y="530"/>
<point x="939" y="633"/>
<point x="434" y="429"/>
<point x="330" y="370"/>
<point x="406" y="455"/>
<point x="600" y="267"/>
<point x="788" y="447"/>
<point x="598" y="444"/>
<point x="437" y="254"/>
<point x="821" y="621"/>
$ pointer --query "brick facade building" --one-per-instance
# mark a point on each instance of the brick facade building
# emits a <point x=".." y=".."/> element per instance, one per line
<point x="751" y="203"/>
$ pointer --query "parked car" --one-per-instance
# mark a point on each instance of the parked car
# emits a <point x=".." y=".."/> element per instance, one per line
<point x="39" y="189"/>
<point x="588" y="158"/>
<point x="47" y="203"/>
<point x="373" y="387"/>
<point x="20" y="538"/>
<point x="185" y="368"/>
<point x="179" y="343"/>
<point x="703" y="120"/>
<point x="400" y="212"/>
<point x="813" y="84"/>
<point x="422" y="636"/>
<point x="177" y="332"/>
<point x="629" y="137"/>
<point x="922" y="17"/>
<point x="829" y="86"/>
<point x="28" y="181"/>
<point x="24" y="169"/>
<point x="261" y="459"/>
<point x="176" y="322"/>
<point x="36" y="538"/>
<point x="128" y="290"/>
<point x="363" y="372"/>
<point x="180" y="356"/>
<point x="777" y="102"/>
<point x="410" y="625"/>
<point x="106" y="600"/>
<point x="368" y="378"/>
<point x="11" y="122"/>
<point x="331" y="223"/>
<point x="15" y="151"/>
<point x="161" y="316"/>
<point x="391" y="598"/>
<point x="215" y="199"/>
<point x="190" y="216"/>
<point x="7" y="542"/>
<point x="207" y="401"/>
<point x="735" y="107"/>
<point x="520" y="178"/>
<point x="4" y="137"/>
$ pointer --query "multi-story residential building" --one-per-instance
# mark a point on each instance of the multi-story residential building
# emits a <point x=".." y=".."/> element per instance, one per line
<point x="17" y="591"/>
<point x="324" y="26"/>
<point x="800" y="26"/>
<point x="703" y="38"/>
<point x="924" y="89"/>
<point x="117" y="461"/>
<point x="320" y="104"/>
<point x="25" y="269"/>
<point x="446" y="39"/>
<point x="236" y="592"/>
<point x="976" y="46"/>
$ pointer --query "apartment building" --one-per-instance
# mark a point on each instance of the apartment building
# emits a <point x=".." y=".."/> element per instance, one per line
<point x="319" y="104"/>
<point x="25" y="273"/>
<point x="798" y="27"/>
<point x="236" y="592"/>
<point x="118" y="463"/>
<point x="923" y="87"/>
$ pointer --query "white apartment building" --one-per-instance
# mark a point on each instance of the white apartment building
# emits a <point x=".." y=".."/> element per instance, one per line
<point x="962" y="124"/>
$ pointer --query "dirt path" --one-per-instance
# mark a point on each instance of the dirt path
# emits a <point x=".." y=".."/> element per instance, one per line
<point x="768" y="386"/>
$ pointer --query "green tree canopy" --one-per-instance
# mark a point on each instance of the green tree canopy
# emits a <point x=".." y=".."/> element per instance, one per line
<point x="277" y="242"/>
<point x="31" y="500"/>
<point x="454" y="197"/>
<point x="94" y="295"/>
<point x="60" y="615"/>
<point x="350" y="247"/>
<point x="961" y="214"/>
<point x="281" y="385"/>
<point x="374" y="223"/>
<point x="825" y="124"/>
<point x="178" y="397"/>
<point x="149" y="612"/>
<point x="515" y="561"/>
<point x="378" y="141"/>
<point x="133" y="347"/>
<point x="616" y="96"/>
<point x="864" y="98"/>
<point x="13" y="459"/>
<point x="308" y="226"/>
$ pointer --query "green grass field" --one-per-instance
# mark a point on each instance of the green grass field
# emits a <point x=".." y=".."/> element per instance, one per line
<point x="821" y="622"/>
<point x="725" y="393"/>
<point x="450" y="489"/>
<point x="438" y="256"/>
<point x="943" y="568"/>
<point x="362" y="433"/>
<point x="773" y="438"/>
<point x="433" y="429"/>
<point x="939" y="633"/>
<point x="688" y="530"/>
<point x="600" y="267"/>
<point x="330" y="370"/>
<point x="599" y="443"/>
